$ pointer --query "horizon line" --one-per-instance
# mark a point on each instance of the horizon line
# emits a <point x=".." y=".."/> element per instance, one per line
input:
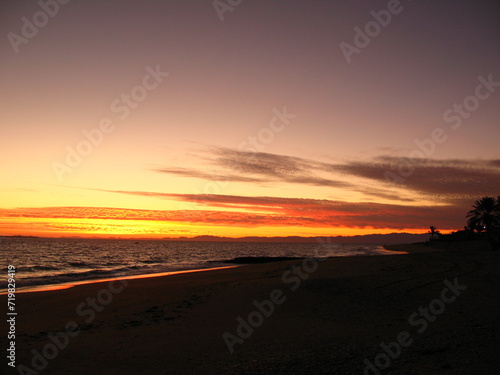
<point x="215" y="238"/>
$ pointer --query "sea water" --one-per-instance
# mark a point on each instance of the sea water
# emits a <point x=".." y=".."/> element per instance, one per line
<point x="46" y="261"/>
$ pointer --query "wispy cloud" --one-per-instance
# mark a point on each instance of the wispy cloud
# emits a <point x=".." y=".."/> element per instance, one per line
<point x="257" y="167"/>
<point x="292" y="213"/>
<point x="278" y="211"/>
<point x="186" y="172"/>
<point x="442" y="180"/>
<point x="451" y="184"/>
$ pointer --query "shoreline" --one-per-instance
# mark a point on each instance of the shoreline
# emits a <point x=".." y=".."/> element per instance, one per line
<point x="413" y="248"/>
<point x="72" y="284"/>
<point x="244" y="261"/>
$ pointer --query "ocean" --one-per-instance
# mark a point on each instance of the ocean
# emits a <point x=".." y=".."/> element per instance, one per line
<point x="48" y="261"/>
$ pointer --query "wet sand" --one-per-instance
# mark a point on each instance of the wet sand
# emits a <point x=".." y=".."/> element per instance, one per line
<point x="327" y="317"/>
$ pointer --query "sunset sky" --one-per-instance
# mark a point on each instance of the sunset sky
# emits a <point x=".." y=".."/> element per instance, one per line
<point x="210" y="119"/>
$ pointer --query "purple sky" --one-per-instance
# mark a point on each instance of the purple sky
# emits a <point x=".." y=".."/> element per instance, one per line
<point x="227" y="78"/>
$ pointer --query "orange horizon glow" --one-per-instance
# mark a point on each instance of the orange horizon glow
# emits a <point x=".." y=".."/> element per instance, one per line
<point x="344" y="232"/>
<point x="154" y="224"/>
<point x="182" y="130"/>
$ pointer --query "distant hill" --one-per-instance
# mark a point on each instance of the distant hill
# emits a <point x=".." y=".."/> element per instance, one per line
<point x="19" y="236"/>
<point x="391" y="238"/>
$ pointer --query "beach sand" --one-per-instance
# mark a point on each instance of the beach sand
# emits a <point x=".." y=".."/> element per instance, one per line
<point x="335" y="319"/>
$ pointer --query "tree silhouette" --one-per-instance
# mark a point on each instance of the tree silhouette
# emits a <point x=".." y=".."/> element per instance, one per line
<point x="485" y="214"/>
<point x="434" y="232"/>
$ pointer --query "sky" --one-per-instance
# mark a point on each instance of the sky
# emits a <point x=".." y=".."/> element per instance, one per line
<point x="152" y="119"/>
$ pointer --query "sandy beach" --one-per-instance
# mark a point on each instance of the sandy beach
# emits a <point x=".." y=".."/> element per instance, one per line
<point x="434" y="312"/>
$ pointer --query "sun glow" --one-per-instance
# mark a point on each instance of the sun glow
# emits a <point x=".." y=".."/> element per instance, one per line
<point x="124" y="228"/>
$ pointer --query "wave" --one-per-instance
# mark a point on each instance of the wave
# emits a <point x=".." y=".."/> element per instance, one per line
<point x="33" y="269"/>
<point x="154" y="261"/>
<point x="61" y="260"/>
<point x="95" y="274"/>
<point x="81" y="264"/>
<point x="256" y="260"/>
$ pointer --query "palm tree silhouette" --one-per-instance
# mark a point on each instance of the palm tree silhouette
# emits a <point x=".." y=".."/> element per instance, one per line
<point x="433" y="231"/>
<point x="485" y="214"/>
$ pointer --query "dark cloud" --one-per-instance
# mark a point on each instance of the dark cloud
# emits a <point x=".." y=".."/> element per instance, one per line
<point x="259" y="167"/>
<point x="186" y="172"/>
<point x="495" y="163"/>
<point x="442" y="180"/>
